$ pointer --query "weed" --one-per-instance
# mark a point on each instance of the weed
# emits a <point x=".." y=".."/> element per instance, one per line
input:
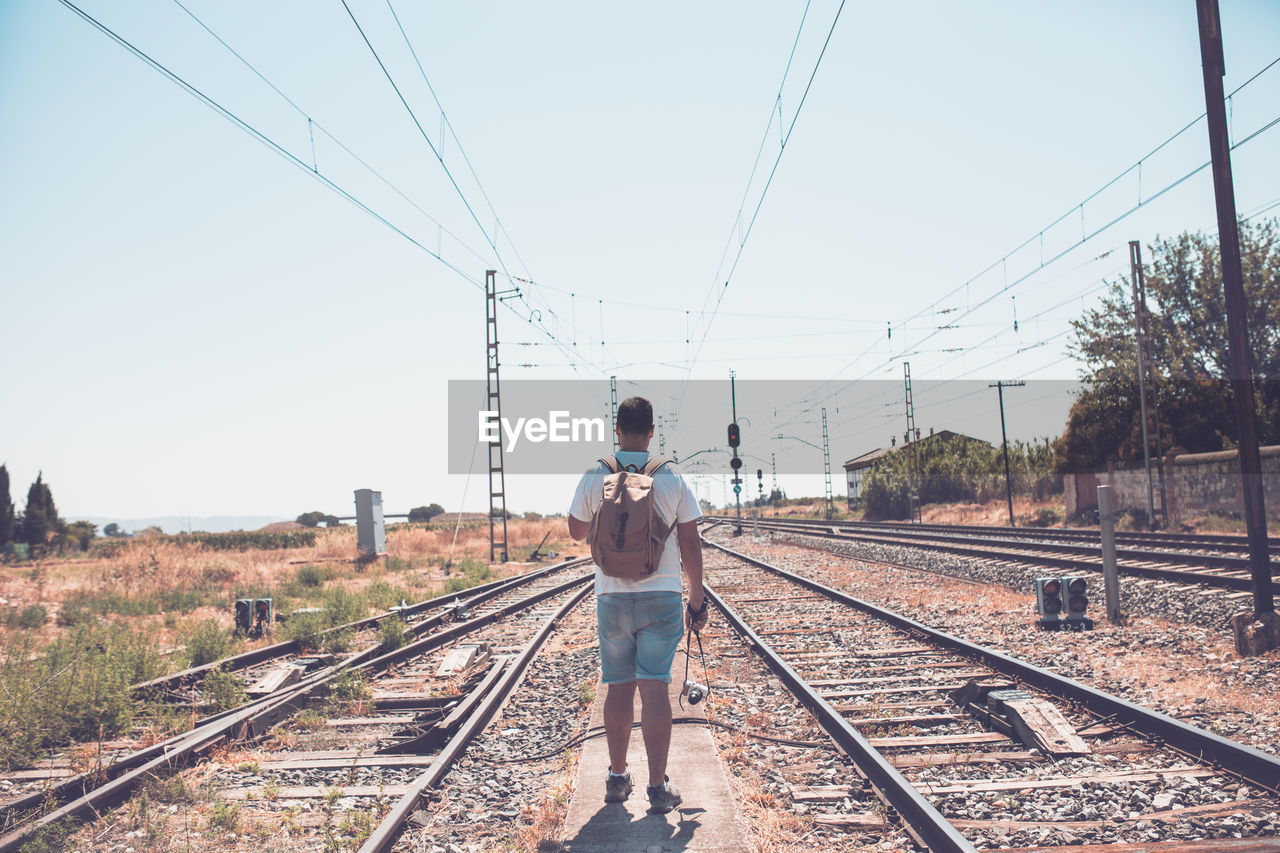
<point x="338" y="641"/>
<point x="50" y="838"/>
<point x="271" y="790"/>
<point x="222" y="690"/>
<point x="343" y="606"/>
<point x="209" y="642"/>
<point x="250" y="767"/>
<point x="30" y="617"/>
<point x="225" y="817"/>
<point x="586" y="693"/>
<point x="392" y="633"/>
<point x="171" y="790"/>
<point x="311" y="720"/>
<point x="382" y="596"/>
<point x="305" y="629"/>
<point x="78" y="687"/>
<point x="350" y="688"/>
<point x="314" y="576"/>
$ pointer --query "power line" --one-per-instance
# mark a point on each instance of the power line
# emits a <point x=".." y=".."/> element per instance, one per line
<point x="312" y="123"/>
<point x="266" y="140"/>
<point x="769" y="182"/>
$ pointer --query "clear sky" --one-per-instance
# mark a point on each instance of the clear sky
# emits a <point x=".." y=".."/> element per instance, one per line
<point x="194" y="324"/>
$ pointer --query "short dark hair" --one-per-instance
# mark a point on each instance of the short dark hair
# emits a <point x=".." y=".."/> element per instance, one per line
<point x="635" y="416"/>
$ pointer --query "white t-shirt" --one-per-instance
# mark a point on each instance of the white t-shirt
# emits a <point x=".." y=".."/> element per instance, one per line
<point x="674" y="501"/>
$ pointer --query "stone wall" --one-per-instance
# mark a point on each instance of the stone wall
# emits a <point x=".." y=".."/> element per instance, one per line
<point x="1197" y="483"/>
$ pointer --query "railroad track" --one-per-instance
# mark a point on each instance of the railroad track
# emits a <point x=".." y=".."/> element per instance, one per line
<point x="1227" y="543"/>
<point x="375" y="726"/>
<point x="1210" y="569"/>
<point x="964" y="765"/>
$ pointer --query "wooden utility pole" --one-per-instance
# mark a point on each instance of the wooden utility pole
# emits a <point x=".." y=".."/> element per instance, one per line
<point x="1267" y="632"/>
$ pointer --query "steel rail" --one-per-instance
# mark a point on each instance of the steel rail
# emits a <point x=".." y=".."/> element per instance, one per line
<point x="1252" y="764"/>
<point x="81" y="784"/>
<point x="386" y="833"/>
<point x="253" y="657"/>
<point x="248" y="721"/>
<point x="984" y="547"/>
<point x="923" y="821"/>
<point x="1162" y="538"/>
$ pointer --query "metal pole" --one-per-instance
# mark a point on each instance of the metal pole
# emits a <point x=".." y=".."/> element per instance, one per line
<point x="737" y="491"/>
<point x="1004" y="442"/>
<point x="1140" y="334"/>
<point x="1255" y="514"/>
<point x="826" y="466"/>
<point x="1110" y="574"/>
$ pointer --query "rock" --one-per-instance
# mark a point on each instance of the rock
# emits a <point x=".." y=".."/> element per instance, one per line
<point x="1163" y="802"/>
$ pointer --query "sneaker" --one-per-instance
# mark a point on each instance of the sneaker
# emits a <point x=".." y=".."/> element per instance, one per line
<point x="663" y="798"/>
<point x="617" y="787"/>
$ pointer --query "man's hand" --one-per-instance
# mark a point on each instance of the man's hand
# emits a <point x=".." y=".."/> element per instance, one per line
<point x="695" y="618"/>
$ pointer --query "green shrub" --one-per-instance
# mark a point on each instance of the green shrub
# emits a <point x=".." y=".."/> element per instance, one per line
<point x="78" y="687"/>
<point x="1046" y="517"/>
<point x="30" y="617"/>
<point x="240" y="540"/>
<point x="351" y="687"/>
<point x="314" y="576"/>
<point x="381" y="595"/>
<point x="391" y="632"/>
<point x="209" y="642"/>
<point x="305" y="628"/>
<point x="343" y="606"/>
<point x="224" y="816"/>
<point x="222" y="690"/>
<point x="338" y="641"/>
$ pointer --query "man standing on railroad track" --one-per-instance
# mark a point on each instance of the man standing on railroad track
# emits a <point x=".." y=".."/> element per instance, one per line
<point x="638" y="591"/>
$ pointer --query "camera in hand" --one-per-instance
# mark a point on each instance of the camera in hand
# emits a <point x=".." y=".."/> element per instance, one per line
<point x="694" y="692"/>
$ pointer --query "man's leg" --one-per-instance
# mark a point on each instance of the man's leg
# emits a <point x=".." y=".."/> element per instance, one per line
<point x="655" y="723"/>
<point x="618" y="718"/>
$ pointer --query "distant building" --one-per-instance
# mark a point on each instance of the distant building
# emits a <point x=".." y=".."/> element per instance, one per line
<point x="857" y="468"/>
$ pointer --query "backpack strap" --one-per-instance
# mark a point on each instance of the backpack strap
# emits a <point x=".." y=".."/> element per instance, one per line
<point x="611" y="463"/>
<point x="655" y="462"/>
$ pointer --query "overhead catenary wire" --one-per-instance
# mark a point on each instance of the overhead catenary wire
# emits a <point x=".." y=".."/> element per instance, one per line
<point x="271" y="144"/>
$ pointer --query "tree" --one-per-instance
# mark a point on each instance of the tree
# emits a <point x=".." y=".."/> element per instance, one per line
<point x="425" y="513"/>
<point x="8" y="516"/>
<point x="114" y="530"/>
<point x="1187" y="315"/>
<point x="40" y="522"/>
<point x="82" y="533"/>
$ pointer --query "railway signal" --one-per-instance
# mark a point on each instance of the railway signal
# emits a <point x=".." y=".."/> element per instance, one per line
<point x="1062" y="602"/>
<point x="254" y="616"/>
<point x="1048" y="601"/>
<point x="735" y="435"/>
<point x="1074" y="594"/>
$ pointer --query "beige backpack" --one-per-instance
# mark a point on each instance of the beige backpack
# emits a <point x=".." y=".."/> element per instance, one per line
<point x="627" y="534"/>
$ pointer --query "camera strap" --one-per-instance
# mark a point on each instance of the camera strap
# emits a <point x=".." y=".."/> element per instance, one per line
<point x="687" y="648"/>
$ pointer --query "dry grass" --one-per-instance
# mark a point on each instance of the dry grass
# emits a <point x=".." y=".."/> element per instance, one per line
<point x="160" y="565"/>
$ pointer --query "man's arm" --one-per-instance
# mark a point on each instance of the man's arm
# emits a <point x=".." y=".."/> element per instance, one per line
<point x="691" y="563"/>
<point x="578" y="529"/>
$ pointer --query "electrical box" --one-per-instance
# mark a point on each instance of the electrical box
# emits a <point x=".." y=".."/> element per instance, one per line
<point x="371" y="533"/>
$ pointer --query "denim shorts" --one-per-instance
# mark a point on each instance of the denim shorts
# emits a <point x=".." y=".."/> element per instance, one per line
<point x="639" y="634"/>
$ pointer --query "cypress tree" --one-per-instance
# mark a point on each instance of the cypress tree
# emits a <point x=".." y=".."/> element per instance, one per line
<point x="41" y="516"/>
<point x="6" y="509"/>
